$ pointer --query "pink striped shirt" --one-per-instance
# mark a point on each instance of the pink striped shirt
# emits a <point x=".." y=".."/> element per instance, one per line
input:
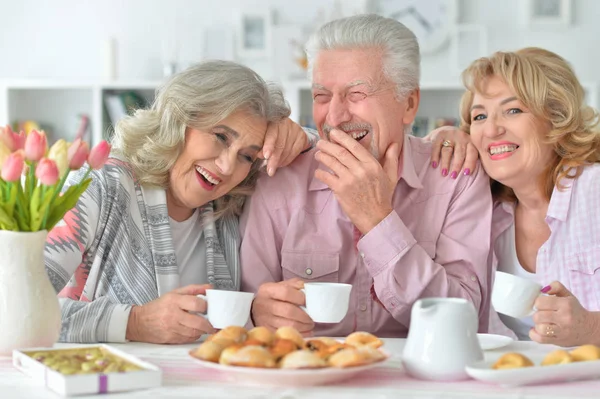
<point x="572" y="253"/>
<point x="434" y="244"/>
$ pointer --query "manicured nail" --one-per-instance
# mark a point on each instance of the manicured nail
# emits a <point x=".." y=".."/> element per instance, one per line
<point x="454" y="175"/>
<point x="467" y="172"/>
<point x="434" y="164"/>
<point x="444" y="172"/>
<point x="546" y="289"/>
<point x="270" y="171"/>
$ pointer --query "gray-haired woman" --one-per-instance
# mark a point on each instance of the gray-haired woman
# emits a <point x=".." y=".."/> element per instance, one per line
<point x="159" y="221"/>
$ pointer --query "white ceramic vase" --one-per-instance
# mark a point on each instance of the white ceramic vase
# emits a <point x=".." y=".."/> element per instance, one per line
<point x="29" y="308"/>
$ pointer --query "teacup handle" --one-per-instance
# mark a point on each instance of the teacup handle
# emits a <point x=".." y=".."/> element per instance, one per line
<point x="205" y="298"/>
<point x="304" y="292"/>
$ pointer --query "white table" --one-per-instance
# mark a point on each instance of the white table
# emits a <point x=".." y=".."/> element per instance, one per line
<point x="183" y="378"/>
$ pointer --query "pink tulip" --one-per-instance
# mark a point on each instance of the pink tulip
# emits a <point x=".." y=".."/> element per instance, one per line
<point x="13" y="166"/>
<point x="11" y="139"/>
<point x="36" y="145"/>
<point x="99" y="155"/>
<point x="77" y="154"/>
<point x="47" y="172"/>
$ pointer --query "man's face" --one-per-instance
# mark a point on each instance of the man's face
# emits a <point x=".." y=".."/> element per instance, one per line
<point x="351" y="93"/>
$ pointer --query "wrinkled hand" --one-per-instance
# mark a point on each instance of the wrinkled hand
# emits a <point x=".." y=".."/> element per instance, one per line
<point x="463" y="155"/>
<point x="561" y="320"/>
<point x="284" y="141"/>
<point x="277" y="304"/>
<point x="363" y="187"/>
<point x="170" y="319"/>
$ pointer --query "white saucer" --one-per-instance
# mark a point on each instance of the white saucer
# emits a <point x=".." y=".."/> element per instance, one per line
<point x="493" y="341"/>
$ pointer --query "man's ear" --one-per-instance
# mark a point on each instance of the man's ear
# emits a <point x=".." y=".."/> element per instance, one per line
<point x="412" y="106"/>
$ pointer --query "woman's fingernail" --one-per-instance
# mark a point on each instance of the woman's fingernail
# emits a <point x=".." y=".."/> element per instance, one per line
<point x="434" y="164"/>
<point x="467" y="172"/>
<point x="454" y="175"/>
<point x="270" y="171"/>
<point x="546" y="289"/>
<point x="444" y="172"/>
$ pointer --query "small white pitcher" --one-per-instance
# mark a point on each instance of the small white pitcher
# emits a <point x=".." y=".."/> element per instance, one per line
<point x="442" y="339"/>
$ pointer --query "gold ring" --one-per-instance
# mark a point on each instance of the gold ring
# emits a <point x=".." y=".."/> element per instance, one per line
<point x="549" y="331"/>
<point x="447" y="143"/>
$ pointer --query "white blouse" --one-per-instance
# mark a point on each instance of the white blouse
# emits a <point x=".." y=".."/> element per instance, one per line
<point x="508" y="262"/>
<point x="190" y="249"/>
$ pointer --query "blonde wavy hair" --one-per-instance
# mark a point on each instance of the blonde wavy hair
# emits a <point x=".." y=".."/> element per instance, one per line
<point x="151" y="140"/>
<point x="546" y="84"/>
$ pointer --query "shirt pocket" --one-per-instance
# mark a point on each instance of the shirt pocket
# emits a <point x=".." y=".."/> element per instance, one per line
<point x="310" y="266"/>
<point x="587" y="262"/>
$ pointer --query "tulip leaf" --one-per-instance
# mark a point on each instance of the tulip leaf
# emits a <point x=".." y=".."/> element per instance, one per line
<point x="65" y="203"/>
<point x="6" y="220"/>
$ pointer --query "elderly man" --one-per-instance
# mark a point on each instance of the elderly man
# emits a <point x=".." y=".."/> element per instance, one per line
<point x="364" y="207"/>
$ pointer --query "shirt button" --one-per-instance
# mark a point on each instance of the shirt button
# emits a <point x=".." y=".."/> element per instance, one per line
<point x="473" y="278"/>
<point x="308" y="271"/>
<point x="363" y="307"/>
<point x="362" y="255"/>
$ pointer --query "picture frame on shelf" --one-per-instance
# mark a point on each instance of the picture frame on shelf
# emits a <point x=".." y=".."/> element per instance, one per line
<point x="548" y="13"/>
<point x="469" y="42"/>
<point x="254" y="36"/>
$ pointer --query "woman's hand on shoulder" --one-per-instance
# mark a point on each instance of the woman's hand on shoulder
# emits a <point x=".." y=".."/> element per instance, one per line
<point x="170" y="319"/>
<point x="561" y="320"/>
<point x="452" y="151"/>
<point x="284" y="141"/>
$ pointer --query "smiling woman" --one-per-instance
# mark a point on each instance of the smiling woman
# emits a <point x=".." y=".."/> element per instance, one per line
<point x="540" y="144"/>
<point x="159" y="221"/>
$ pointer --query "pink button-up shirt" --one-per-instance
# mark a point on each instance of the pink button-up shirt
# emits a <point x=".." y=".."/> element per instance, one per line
<point x="572" y="253"/>
<point x="434" y="244"/>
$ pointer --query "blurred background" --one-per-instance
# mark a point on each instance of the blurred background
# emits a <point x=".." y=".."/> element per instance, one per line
<point x="74" y="67"/>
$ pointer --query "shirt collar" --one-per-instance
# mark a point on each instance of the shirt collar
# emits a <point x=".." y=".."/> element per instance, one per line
<point x="406" y="170"/>
<point x="561" y="199"/>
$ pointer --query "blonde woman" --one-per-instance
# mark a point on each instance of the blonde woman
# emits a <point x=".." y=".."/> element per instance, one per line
<point x="539" y="142"/>
<point x="159" y="221"/>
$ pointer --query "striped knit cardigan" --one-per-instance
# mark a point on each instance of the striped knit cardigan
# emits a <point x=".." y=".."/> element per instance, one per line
<point x="114" y="249"/>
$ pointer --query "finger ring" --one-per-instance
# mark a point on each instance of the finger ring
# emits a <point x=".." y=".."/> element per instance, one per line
<point x="549" y="331"/>
<point x="447" y="143"/>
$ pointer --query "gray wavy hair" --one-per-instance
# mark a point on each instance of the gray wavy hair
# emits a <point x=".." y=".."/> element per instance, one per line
<point x="151" y="140"/>
<point x="401" y="58"/>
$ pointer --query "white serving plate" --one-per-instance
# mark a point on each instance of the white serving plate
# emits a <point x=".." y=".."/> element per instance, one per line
<point x="535" y="375"/>
<point x="493" y="341"/>
<point x="287" y="377"/>
<point x="80" y="384"/>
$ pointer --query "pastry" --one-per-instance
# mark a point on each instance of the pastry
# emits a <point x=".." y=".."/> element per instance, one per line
<point x="361" y="338"/>
<point x="349" y="357"/>
<point x="235" y="333"/>
<point x="228" y="352"/>
<point x="512" y="361"/>
<point x="262" y="334"/>
<point x="559" y="356"/>
<point x="302" y="359"/>
<point x="252" y="356"/>
<point x="290" y="333"/>
<point x="282" y="347"/>
<point x="211" y="350"/>
<point x="586" y="353"/>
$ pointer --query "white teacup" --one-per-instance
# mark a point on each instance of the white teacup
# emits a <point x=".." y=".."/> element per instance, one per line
<point x="514" y="296"/>
<point x="326" y="302"/>
<point x="227" y="308"/>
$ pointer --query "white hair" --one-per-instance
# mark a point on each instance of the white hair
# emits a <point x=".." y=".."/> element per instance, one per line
<point x="401" y="59"/>
<point x="152" y="139"/>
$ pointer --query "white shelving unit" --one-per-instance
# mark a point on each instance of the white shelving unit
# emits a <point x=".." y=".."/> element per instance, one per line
<point x="58" y="103"/>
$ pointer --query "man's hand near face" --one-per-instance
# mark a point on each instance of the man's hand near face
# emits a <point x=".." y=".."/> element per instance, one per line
<point x="363" y="187"/>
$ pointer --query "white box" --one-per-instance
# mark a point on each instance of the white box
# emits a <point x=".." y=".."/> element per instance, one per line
<point x="79" y="384"/>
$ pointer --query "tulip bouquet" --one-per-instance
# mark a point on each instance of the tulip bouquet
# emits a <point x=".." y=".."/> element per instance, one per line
<point x="32" y="178"/>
